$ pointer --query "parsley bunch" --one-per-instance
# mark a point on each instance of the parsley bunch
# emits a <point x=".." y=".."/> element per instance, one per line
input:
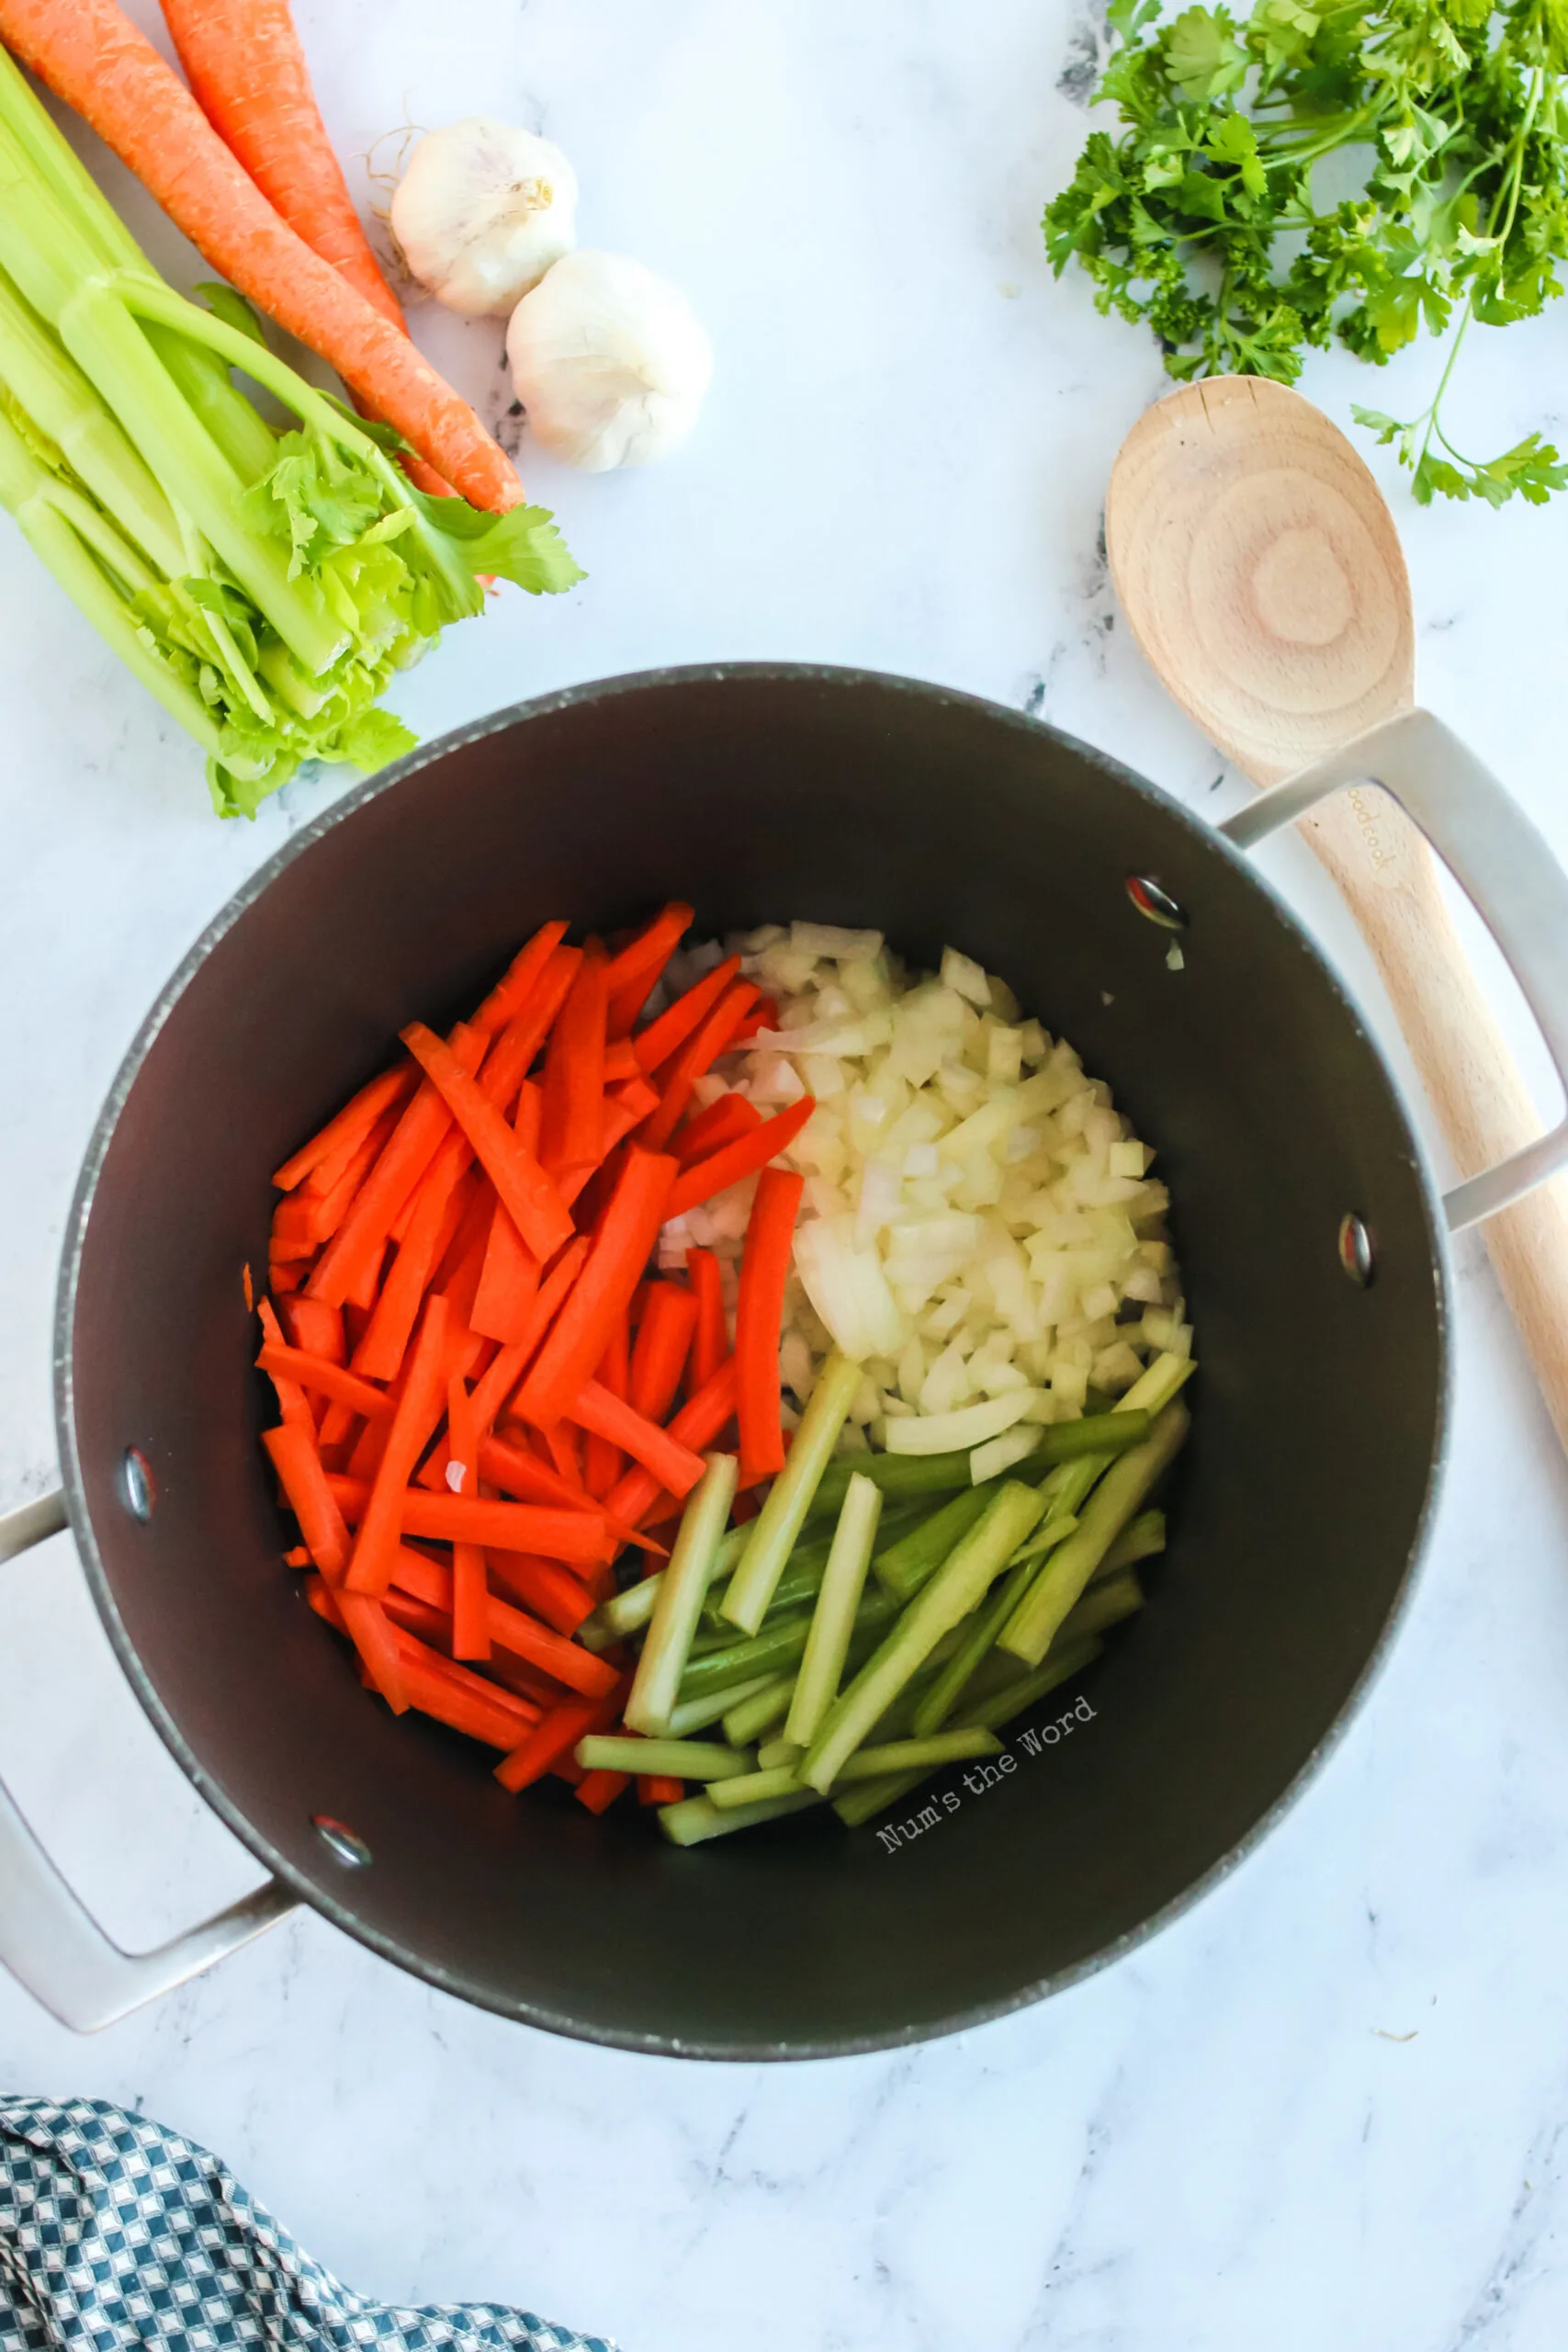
<point x="1200" y="214"/>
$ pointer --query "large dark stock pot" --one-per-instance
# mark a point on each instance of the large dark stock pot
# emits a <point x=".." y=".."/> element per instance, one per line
<point x="764" y="792"/>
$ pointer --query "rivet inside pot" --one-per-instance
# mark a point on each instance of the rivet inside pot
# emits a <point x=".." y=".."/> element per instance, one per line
<point x="1356" y="1250"/>
<point x="344" y="1844"/>
<point x="1155" y="904"/>
<point x="138" y="1487"/>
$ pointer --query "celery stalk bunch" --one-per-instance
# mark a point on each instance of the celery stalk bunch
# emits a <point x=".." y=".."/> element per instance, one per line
<point x="265" y="585"/>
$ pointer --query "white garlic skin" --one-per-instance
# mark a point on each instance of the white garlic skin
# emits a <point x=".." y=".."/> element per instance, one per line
<point x="609" y="362"/>
<point x="482" y="211"/>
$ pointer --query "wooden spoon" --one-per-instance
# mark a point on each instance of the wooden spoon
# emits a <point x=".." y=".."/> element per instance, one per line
<point x="1259" y="567"/>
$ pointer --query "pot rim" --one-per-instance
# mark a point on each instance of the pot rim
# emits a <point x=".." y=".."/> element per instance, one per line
<point x="318" y="1895"/>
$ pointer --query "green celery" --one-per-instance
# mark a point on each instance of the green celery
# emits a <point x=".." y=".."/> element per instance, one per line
<point x="695" y="1819"/>
<point x="904" y="1567"/>
<point x="777" y="1524"/>
<point x="1060" y="1582"/>
<point x="833" y="1619"/>
<point x="1000" y="1706"/>
<point x="679" y="1759"/>
<point x="658" y="1681"/>
<point x="766" y="1702"/>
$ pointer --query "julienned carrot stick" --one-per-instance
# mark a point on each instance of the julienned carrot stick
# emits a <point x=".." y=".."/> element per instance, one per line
<point x="697" y="1425"/>
<point x="248" y="73"/>
<point x="292" y="1401"/>
<point x="299" y="1467"/>
<point x="602" y="1461"/>
<point x="465" y="1701"/>
<point x="598" y="1789"/>
<point x="556" y="1734"/>
<point x="710" y="1341"/>
<point x="723" y="1122"/>
<point x="414" y="1142"/>
<point x="574" y="1113"/>
<point x="758" y="1319"/>
<point x="439" y="1208"/>
<point x="525" y="1028"/>
<point x="696" y="1056"/>
<point x="676" y="1468"/>
<point x="517" y="1470"/>
<point x="341" y="1138"/>
<point x="764" y="1014"/>
<point x="325" y="1379"/>
<point x="721" y="1168"/>
<point x="570" y="1665"/>
<point x="632" y="974"/>
<point x="620" y="1061"/>
<point x="658" y="1788"/>
<point x="316" y="1329"/>
<point x="93" y="57"/>
<point x="420" y="1406"/>
<point x="530" y="1198"/>
<point x="579" y="1537"/>
<point x="516" y="984"/>
<point x="663" y="1343"/>
<point x="510" y="1280"/>
<point x="664" y="1037"/>
<point x="552" y="1593"/>
<point x="331" y="1188"/>
<point x="603" y="1291"/>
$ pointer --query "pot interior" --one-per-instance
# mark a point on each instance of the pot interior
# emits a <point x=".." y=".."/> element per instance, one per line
<point x="764" y="794"/>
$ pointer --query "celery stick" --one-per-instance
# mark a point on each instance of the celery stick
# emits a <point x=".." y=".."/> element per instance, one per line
<point x="1154" y="1388"/>
<point x="695" y="1819"/>
<point x="1111" y="1432"/>
<point x="1141" y="1541"/>
<point x="918" y="1755"/>
<point x="1120" y="1495"/>
<point x="657" y="1681"/>
<point x="1051" y="1531"/>
<point x="776" y="1648"/>
<point x="1000" y="1706"/>
<point x="904" y="1567"/>
<point x="695" y="1714"/>
<point x="899" y="1475"/>
<point x="959" y="1586"/>
<point x="768" y="1705"/>
<point x="774" y="1752"/>
<point x="1106" y="1602"/>
<point x="838" y="1597"/>
<point x="682" y="1760"/>
<point x="626" y="1612"/>
<point x="754" y="1788"/>
<point x="38" y="372"/>
<point x="779" y="1522"/>
<point x="861" y="1799"/>
<point x="950" y="1685"/>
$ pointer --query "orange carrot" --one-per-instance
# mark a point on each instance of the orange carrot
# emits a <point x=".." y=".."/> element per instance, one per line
<point x="696" y="1056"/>
<point x="414" y="1142"/>
<point x="530" y="1198"/>
<point x="603" y="1290"/>
<point x="602" y="1460"/>
<point x="657" y="1788"/>
<point x="663" y="1343"/>
<point x="577" y="1668"/>
<point x="696" y="1424"/>
<point x="326" y="1379"/>
<point x="579" y="1538"/>
<point x="327" y="1153"/>
<point x="298" y="1466"/>
<point x="517" y="983"/>
<point x="555" y="1735"/>
<point x="551" y="1591"/>
<point x="573" y="1106"/>
<point x="418" y="1408"/>
<point x="292" y="1401"/>
<point x="442" y="1199"/>
<point x="316" y="1329"/>
<point x="509" y="1283"/>
<point x="676" y="1024"/>
<point x="742" y="1157"/>
<point x="723" y="1122"/>
<point x="93" y="57"/>
<point x="675" y="1466"/>
<point x="759" y="1317"/>
<point x="631" y="973"/>
<point x="248" y="73"/>
<point x="710" y="1341"/>
<point x="620" y="1061"/>
<point x="598" y="1789"/>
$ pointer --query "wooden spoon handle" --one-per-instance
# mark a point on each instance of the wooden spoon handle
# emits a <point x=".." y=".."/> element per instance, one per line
<point x="1386" y="875"/>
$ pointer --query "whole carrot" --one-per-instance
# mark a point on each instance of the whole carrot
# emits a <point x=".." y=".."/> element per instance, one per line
<point x="245" y="67"/>
<point x="93" y="57"/>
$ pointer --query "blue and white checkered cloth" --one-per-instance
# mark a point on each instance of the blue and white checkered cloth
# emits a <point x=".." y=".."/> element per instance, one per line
<point x="115" y="2233"/>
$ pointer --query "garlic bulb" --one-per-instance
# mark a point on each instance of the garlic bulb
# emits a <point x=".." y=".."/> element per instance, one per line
<point x="609" y="362"/>
<point x="482" y="211"/>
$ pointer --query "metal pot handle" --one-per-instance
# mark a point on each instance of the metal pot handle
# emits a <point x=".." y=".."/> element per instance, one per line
<point x="49" y="1941"/>
<point x="1505" y="868"/>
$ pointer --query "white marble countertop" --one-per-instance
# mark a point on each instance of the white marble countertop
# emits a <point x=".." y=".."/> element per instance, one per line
<point x="1326" y="2107"/>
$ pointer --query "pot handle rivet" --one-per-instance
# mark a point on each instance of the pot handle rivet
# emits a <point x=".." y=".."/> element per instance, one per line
<point x="1356" y="1250"/>
<point x="1155" y="903"/>
<point x="344" y="1844"/>
<point x="138" y="1487"/>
